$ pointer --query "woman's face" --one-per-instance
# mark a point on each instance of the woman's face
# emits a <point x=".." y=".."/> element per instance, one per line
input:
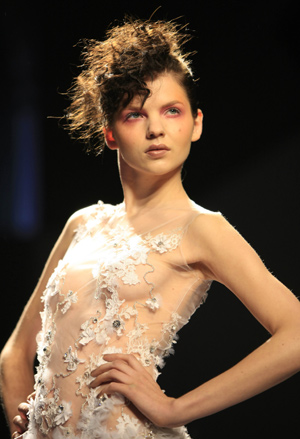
<point x="155" y="138"/>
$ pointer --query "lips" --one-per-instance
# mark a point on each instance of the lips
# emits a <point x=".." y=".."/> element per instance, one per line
<point x="157" y="151"/>
<point x="159" y="147"/>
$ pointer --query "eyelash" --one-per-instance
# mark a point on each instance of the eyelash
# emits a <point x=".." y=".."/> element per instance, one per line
<point x="136" y="113"/>
<point x="177" y="111"/>
<point x="133" y="113"/>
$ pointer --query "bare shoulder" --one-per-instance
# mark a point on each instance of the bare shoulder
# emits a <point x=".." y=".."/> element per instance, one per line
<point x="83" y="213"/>
<point x="224" y="255"/>
<point x="75" y="220"/>
<point x="205" y="232"/>
<point x="212" y="230"/>
<point x="80" y="216"/>
<point x="216" y="244"/>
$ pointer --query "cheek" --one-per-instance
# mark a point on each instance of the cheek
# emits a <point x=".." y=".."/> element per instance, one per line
<point x="184" y="134"/>
<point x="184" y="129"/>
<point x="130" y="135"/>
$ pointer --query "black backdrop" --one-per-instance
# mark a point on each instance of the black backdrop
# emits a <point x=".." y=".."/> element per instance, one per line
<point x="245" y="165"/>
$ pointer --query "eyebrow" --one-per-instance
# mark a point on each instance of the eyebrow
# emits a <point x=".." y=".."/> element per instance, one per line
<point x="133" y="107"/>
<point x="176" y="102"/>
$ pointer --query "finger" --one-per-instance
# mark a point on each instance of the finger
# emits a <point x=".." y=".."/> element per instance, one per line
<point x="127" y="358"/>
<point x="102" y="369"/>
<point x="31" y="396"/>
<point x="112" y="375"/>
<point x="23" y="410"/>
<point x="116" y="364"/>
<point x="20" y="424"/>
<point x="110" y="388"/>
<point x="128" y="375"/>
<point x="132" y="361"/>
<point x="132" y="372"/>
<point x="16" y="435"/>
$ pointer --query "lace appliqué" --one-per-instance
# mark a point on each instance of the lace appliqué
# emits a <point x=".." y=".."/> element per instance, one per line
<point x="123" y="252"/>
<point x="71" y="298"/>
<point x="100" y="214"/>
<point x="48" y="414"/>
<point x="72" y="359"/>
<point x="163" y="243"/>
<point x="153" y="303"/>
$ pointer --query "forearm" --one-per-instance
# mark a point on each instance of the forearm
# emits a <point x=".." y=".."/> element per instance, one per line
<point x="16" y="381"/>
<point x="267" y="366"/>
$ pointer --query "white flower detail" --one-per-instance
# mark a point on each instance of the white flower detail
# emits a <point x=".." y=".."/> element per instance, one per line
<point x="86" y="336"/>
<point x="103" y="333"/>
<point x="147" y="351"/>
<point x="102" y="338"/>
<point x="153" y="303"/>
<point x="71" y="298"/>
<point x="64" y="412"/>
<point x="124" y="269"/>
<point x="80" y="232"/>
<point x="141" y="255"/>
<point x="128" y="427"/>
<point x="113" y="305"/>
<point x="54" y="283"/>
<point x="36" y="408"/>
<point x="130" y="277"/>
<point x="137" y="332"/>
<point x="128" y="312"/>
<point x="72" y="360"/>
<point x="163" y="243"/>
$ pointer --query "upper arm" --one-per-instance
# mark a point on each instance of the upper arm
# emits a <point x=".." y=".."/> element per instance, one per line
<point x="23" y="339"/>
<point x="226" y="257"/>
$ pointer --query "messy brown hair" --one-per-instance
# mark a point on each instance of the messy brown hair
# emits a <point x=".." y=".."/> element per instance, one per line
<point x="116" y="69"/>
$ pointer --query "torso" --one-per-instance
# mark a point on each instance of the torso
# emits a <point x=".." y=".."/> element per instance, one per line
<point x="122" y="286"/>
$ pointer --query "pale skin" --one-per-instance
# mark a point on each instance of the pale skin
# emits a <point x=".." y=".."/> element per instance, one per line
<point x="219" y="252"/>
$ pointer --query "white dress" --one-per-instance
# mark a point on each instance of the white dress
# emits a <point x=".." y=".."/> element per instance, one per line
<point x="121" y="287"/>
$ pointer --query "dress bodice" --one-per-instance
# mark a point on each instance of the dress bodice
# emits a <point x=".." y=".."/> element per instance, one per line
<point x="124" y="285"/>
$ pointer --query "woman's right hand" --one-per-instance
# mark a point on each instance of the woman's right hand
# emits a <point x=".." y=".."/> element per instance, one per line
<point x="21" y="420"/>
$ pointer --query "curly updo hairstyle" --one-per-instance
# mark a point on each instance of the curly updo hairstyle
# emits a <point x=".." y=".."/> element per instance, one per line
<point x="115" y="70"/>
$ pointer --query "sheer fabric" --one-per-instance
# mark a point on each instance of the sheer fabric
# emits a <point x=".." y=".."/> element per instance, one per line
<point x="122" y="286"/>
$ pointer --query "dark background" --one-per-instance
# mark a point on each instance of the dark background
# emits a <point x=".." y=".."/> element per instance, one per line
<point x="246" y="165"/>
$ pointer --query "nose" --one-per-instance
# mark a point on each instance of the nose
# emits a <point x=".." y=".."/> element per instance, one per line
<point x="155" y="128"/>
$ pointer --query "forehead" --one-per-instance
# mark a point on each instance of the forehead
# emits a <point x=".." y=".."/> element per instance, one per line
<point x="163" y="89"/>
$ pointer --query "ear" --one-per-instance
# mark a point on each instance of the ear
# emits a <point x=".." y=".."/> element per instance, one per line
<point x="109" y="138"/>
<point x="198" y="125"/>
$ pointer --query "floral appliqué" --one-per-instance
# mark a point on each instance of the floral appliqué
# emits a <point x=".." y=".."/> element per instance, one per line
<point x="163" y="243"/>
<point x="124" y="252"/>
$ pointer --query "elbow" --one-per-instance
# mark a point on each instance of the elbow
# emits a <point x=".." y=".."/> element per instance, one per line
<point x="296" y="346"/>
<point x="13" y="355"/>
<point x="4" y="367"/>
<point x="6" y="358"/>
<point x="289" y="346"/>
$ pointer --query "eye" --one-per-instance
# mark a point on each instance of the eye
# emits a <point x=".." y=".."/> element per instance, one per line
<point x="173" y="111"/>
<point x="133" y="115"/>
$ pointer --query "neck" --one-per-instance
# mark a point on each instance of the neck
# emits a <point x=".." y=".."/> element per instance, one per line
<point x="146" y="191"/>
